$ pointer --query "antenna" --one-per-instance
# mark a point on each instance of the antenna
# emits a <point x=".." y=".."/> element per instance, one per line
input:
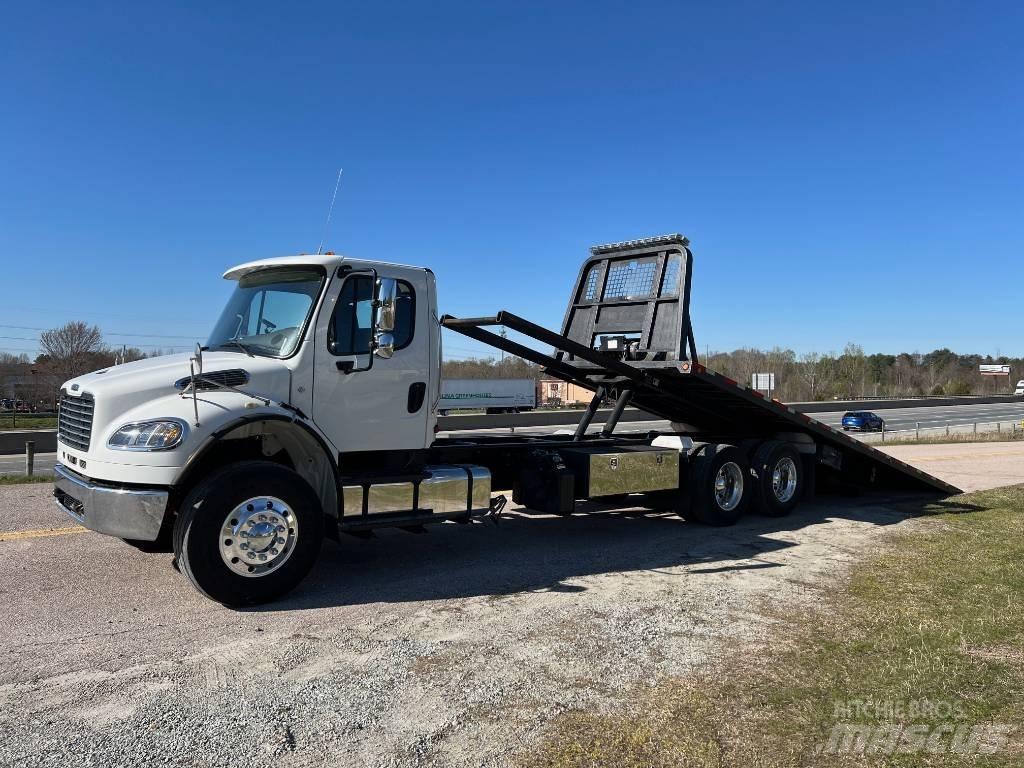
<point x="330" y="210"/>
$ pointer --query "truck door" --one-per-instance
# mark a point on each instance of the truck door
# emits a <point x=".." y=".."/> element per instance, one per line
<point x="382" y="404"/>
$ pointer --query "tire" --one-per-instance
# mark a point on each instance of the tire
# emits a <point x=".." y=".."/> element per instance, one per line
<point x="711" y="505"/>
<point x="260" y="507"/>
<point x="780" y="478"/>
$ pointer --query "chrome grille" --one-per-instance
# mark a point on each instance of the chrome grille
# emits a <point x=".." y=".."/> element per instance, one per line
<point x="74" y="420"/>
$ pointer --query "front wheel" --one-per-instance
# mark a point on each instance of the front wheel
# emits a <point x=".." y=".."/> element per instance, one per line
<point x="249" y="533"/>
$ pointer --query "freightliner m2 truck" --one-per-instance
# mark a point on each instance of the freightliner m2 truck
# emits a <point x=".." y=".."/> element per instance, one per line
<point x="311" y="412"/>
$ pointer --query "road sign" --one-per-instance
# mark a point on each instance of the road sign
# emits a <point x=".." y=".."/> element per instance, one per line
<point x="994" y="370"/>
<point x="762" y="381"/>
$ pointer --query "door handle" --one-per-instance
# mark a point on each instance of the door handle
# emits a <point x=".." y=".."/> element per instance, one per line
<point x="417" y="393"/>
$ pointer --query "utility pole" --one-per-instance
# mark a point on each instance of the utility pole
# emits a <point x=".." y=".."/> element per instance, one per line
<point x="503" y="333"/>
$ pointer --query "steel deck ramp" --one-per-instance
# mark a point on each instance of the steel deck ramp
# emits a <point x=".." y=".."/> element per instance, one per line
<point x="627" y="337"/>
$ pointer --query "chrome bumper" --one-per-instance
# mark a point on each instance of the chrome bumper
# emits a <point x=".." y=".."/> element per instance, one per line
<point x="125" y="512"/>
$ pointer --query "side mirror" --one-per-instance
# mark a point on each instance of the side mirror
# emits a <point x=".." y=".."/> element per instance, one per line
<point x="385" y="346"/>
<point x="387" y="295"/>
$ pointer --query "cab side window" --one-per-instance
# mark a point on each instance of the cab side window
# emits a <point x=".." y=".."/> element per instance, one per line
<point x="351" y="328"/>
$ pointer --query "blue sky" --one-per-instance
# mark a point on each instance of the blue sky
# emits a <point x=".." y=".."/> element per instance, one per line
<point x="846" y="172"/>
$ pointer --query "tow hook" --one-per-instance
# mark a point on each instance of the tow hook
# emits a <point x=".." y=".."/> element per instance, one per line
<point x="496" y="507"/>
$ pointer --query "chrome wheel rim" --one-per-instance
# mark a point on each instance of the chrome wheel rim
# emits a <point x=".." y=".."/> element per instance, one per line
<point x="258" y="536"/>
<point x="784" y="479"/>
<point x="728" y="486"/>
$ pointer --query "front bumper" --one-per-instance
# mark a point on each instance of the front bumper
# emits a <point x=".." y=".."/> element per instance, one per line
<point x="129" y="513"/>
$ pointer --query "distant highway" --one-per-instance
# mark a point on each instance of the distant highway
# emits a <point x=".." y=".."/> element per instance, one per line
<point x="906" y="418"/>
<point x="15" y="464"/>
<point x="895" y="419"/>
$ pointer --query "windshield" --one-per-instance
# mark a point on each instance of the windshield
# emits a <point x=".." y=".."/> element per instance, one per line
<point x="268" y="311"/>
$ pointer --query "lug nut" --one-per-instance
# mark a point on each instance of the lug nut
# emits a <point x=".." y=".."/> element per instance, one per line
<point x="273" y="551"/>
<point x="263" y="518"/>
<point x="280" y="529"/>
<point x="263" y="557"/>
<point x="270" y="505"/>
<point x="244" y="546"/>
<point x="252" y="555"/>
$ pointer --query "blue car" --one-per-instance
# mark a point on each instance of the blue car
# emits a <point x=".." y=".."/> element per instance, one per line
<point x="865" y="421"/>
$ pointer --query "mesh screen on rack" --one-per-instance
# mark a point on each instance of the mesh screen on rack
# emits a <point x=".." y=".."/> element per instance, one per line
<point x="633" y="278"/>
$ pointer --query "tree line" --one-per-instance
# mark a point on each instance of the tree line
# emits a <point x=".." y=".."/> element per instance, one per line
<point x="65" y="352"/>
<point x="77" y="347"/>
<point x="845" y="375"/>
<point x="852" y="373"/>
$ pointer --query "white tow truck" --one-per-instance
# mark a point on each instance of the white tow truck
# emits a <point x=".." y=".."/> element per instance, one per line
<point x="311" y="412"/>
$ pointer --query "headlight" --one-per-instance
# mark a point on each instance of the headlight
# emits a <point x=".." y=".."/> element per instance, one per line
<point x="148" y="435"/>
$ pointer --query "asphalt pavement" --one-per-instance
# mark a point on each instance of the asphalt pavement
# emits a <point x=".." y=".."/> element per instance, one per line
<point x="15" y="465"/>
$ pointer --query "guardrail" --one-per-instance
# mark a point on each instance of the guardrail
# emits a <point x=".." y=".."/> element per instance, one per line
<point x="917" y="432"/>
<point x="827" y="406"/>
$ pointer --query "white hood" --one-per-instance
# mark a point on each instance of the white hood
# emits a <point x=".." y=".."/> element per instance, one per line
<point x="148" y="389"/>
<point x="133" y="384"/>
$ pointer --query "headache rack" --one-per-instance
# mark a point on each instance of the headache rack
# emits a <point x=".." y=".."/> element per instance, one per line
<point x="627" y="336"/>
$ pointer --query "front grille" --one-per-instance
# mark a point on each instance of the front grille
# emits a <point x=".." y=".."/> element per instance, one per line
<point x="74" y="420"/>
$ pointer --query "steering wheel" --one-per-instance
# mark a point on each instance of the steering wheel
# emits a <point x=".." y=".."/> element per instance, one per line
<point x="279" y="339"/>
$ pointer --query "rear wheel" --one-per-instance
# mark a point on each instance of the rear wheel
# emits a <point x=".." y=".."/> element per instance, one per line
<point x="719" y="485"/>
<point x="248" y="534"/>
<point x="780" y="478"/>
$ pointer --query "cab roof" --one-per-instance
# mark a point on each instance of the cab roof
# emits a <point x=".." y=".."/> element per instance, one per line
<point x="329" y="261"/>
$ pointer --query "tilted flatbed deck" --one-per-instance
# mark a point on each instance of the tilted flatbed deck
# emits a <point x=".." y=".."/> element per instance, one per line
<point x="628" y="338"/>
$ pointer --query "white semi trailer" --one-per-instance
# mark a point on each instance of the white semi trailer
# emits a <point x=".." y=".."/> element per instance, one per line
<point x="489" y="395"/>
<point x="311" y="412"/>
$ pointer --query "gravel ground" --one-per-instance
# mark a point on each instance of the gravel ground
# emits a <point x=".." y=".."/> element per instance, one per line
<point x="971" y="466"/>
<point x="453" y="648"/>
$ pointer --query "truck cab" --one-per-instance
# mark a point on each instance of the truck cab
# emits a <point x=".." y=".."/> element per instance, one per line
<point x="312" y="358"/>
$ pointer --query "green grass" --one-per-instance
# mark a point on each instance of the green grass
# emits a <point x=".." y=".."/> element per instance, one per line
<point x="9" y="422"/>
<point x="934" y="619"/>
<point x="25" y="479"/>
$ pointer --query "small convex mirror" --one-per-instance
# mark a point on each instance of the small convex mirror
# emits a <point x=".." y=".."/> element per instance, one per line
<point x="385" y="346"/>
<point x="387" y="295"/>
